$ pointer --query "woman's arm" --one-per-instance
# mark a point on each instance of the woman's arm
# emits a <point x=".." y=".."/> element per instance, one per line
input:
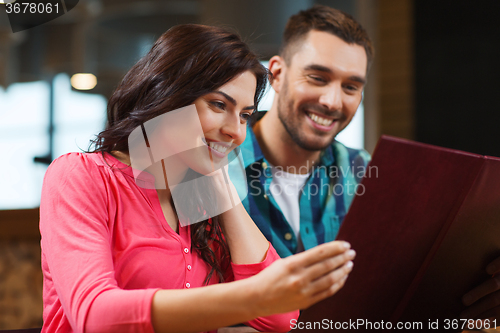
<point x="80" y="288"/>
<point x="289" y="284"/>
<point x="246" y="242"/>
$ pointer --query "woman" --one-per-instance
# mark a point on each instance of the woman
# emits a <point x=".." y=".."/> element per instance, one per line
<point x="114" y="255"/>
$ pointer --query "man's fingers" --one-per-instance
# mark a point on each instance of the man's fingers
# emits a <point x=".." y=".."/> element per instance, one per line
<point x="493" y="267"/>
<point x="482" y="290"/>
<point x="321" y="252"/>
<point x="481" y="308"/>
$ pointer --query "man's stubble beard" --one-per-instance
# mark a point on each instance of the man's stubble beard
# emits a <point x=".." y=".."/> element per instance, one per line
<point x="292" y="128"/>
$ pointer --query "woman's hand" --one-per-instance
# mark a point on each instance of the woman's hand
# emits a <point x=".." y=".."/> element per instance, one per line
<point x="301" y="280"/>
<point x="223" y="189"/>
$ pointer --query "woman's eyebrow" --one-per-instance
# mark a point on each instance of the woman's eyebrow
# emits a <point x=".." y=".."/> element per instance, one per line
<point x="232" y="100"/>
<point x="229" y="98"/>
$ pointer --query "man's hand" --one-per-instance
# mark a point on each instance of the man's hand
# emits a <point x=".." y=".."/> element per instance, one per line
<point x="483" y="302"/>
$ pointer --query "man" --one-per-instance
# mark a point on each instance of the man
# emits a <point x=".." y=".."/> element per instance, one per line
<point x="300" y="180"/>
<point x="318" y="78"/>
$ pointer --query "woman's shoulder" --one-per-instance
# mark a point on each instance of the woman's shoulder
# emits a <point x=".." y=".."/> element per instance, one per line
<point x="80" y="167"/>
<point x="72" y="162"/>
<point x="88" y="161"/>
<point x="89" y="169"/>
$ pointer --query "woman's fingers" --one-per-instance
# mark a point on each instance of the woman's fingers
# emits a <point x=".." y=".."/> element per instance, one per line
<point x="328" y="280"/>
<point x="330" y="264"/>
<point x="320" y="253"/>
<point x="301" y="280"/>
<point x="332" y="290"/>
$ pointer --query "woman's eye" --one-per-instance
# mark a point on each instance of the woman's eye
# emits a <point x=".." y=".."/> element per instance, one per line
<point x="245" y="116"/>
<point x="219" y="105"/>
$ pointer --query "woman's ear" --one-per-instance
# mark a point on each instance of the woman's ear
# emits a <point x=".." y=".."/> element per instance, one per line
<point x="277" y="67"/>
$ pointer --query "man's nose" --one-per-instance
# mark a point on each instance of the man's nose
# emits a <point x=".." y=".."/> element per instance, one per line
<point x="332" y="97"/>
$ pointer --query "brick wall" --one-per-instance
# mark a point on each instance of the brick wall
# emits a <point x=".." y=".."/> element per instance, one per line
<point x="395" y="61"/>
<point x="20" y="270"/>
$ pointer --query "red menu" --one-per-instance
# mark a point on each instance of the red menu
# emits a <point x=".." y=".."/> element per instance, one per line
<point x="425" y="225"/>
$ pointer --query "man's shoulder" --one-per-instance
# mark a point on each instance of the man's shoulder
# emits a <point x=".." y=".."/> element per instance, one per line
<point x="350" y="162"/>
<point x="340" y="152"/>
<point x="350" y="151"/>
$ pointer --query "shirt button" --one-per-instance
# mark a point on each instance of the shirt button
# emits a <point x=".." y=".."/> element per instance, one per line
<point x="189" y="267"/>
<point x="186" y="250"/>
<point x="264" y="165"/>
<point x="188" y="285"/>
<point x="265" y="196"/>
<point x="288" y="236"/>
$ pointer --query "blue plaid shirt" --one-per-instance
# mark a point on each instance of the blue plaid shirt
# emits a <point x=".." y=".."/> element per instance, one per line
<point x="324" y="199"/>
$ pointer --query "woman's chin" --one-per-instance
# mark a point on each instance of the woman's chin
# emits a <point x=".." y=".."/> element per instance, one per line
<point x="206" y="168"/>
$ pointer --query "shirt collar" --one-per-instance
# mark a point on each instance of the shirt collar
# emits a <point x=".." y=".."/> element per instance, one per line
<point x="250" y="148"/>
<point x="327" y="156"/>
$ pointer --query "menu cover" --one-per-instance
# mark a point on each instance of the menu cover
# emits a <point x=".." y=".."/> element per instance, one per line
<point x="425" y="223"/>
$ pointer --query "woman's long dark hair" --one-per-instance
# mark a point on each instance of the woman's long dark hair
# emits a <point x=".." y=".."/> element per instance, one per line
<point x="186" y="62"/>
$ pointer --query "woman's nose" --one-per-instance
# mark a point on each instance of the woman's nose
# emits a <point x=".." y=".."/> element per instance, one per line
<point x="233" y="128"/>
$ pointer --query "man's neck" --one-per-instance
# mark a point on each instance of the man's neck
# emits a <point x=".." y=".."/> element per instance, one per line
<point x="280" y="149"/>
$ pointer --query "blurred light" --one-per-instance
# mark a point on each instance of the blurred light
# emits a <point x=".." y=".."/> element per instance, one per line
<point x="83" y="81"/>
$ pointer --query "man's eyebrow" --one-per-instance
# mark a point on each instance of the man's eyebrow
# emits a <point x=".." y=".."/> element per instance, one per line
<point x="321" y="68"/>
<point x="359" y="79"/>
<point x="233" y="101"/>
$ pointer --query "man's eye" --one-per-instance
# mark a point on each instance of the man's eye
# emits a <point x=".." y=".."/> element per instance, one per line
<point x="351" y="88"/>
<point x="317" y="79"/>
<point x="219" y="105"/>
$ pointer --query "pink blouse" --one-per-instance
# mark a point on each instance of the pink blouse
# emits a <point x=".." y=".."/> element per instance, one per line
<point x="107" y="248"/>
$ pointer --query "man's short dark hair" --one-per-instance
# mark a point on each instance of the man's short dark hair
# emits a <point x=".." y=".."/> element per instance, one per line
<point x="324" y="18"/>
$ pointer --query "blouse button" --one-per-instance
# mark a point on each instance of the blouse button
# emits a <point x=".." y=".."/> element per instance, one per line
<point x="288" y="236"/>
<point x="186" y="250"/>
<point x="188" y="285"/>
<point x="189" y="267"/>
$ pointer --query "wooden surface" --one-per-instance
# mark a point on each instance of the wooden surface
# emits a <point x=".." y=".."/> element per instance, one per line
<point x="19" y="224"/>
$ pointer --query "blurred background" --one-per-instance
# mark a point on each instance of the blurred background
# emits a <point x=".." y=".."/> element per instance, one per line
<point x="434" y="80"/>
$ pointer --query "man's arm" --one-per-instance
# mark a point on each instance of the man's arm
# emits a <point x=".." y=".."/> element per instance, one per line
<point x="483" y="302"/>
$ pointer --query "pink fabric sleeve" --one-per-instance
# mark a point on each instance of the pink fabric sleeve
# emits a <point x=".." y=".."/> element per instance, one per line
<point x="76" y="242"/>
<point x="275" y="323"/>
